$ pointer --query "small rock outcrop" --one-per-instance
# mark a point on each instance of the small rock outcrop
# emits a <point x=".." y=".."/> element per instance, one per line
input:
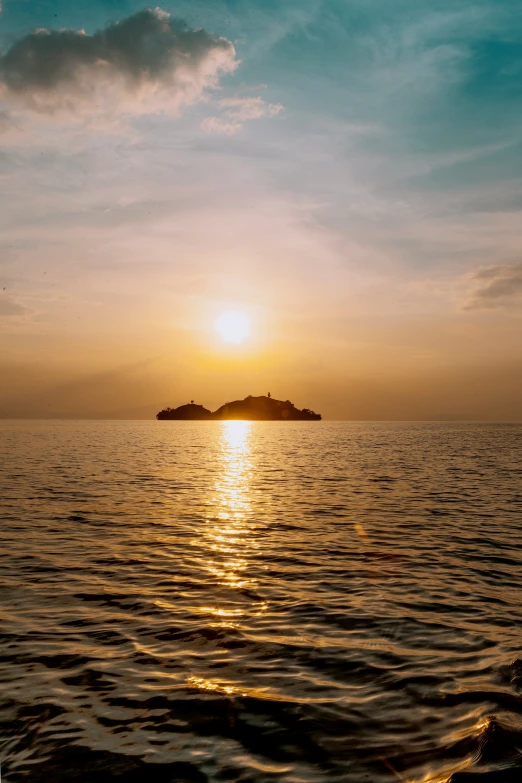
<point x="190" y="412"/>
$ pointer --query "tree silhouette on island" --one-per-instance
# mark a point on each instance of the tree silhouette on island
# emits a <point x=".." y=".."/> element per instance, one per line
<point x="249" y="409"/>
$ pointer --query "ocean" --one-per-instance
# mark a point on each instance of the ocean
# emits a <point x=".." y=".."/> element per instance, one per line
<point x="235" y="601"/>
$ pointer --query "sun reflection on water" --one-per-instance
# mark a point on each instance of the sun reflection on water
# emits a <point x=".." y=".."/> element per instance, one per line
<point x="230" y="539"/>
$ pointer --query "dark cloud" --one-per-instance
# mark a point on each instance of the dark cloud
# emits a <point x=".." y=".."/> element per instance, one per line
<point x="147" y="62"/>
<point x="496" y="286"/>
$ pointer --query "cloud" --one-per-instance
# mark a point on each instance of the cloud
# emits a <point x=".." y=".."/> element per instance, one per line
<point x="8" y="307"/>
<point x="496" y="286"/>
<point x="236" y="111"/>
<point x="145" y="63"/>
<point x="5" y="121"/>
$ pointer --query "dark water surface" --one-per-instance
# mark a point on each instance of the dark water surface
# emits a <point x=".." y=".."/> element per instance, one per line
<point x="234" y="601"/>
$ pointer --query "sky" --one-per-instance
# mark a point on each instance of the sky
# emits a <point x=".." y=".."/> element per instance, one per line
<point x="345" y="174"/>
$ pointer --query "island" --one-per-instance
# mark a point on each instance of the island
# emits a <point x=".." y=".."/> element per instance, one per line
<point x="249" y="409"/>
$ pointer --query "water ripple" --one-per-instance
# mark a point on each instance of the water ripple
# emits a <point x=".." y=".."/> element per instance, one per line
<point x="235" y="601"/>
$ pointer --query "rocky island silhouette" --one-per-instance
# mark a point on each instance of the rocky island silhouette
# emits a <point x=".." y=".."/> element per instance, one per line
<point x="251" y="408"/>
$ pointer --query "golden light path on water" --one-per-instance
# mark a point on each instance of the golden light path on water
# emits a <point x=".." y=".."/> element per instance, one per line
<point x="231" y="500"/>
<point x="230" y="540"/>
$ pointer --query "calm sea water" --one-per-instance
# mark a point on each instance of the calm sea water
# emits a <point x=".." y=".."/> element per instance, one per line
<point x="235" y="601"/>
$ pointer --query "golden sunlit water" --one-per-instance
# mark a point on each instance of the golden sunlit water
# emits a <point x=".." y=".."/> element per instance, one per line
<point x="256" y="601"/>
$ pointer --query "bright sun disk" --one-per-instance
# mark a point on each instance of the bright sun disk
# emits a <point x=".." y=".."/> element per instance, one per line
<point x="233" y="327"/>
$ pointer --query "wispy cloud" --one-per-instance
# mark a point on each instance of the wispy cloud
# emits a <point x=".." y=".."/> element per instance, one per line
<point x="9" y="307"/>
<point x="145" y="63"/>
<point x="496" y="286"/>
<point x="235" y="111"/>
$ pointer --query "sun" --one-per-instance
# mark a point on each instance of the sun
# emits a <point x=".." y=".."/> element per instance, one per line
<point x="233" y="327"/>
